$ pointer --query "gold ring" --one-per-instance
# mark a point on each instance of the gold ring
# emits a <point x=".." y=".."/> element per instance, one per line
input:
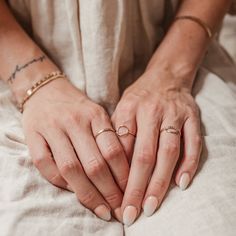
<point x="171" y="130"/>
<point x="104" y="130"/>
<point x="123" y="131"/>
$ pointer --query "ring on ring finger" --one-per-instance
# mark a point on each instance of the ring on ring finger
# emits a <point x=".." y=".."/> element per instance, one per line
<point x="171" y="130"/>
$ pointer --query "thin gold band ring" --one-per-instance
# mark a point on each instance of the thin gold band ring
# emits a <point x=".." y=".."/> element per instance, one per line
<point x="171" y="130"/>
<point x="104" y="130"/>
<point x="123" y="130"/>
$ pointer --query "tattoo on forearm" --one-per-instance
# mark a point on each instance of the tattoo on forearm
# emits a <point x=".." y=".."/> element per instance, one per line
<point x="19" y="68"/>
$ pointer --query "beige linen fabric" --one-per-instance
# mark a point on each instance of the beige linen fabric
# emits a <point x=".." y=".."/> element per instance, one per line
<point x="104" y="46"/>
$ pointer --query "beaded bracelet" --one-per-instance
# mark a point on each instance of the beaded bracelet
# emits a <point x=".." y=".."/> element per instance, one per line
<point x="48" y="78"/>
<point x="206" y="28"/>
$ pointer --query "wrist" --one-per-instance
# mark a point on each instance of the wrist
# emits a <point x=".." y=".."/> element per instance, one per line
<point x="174" y="74"/>
<point x="28" y="78"/>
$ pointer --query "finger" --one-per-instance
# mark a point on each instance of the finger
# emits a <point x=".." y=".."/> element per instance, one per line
<point x="167" y="156"/>
<point x="43" y="160"/>
<point x="192" y="151"/>
<point x="111" y="150"/>
<point x="125" y="118"/>
<point x="72" y="171"/>
<point x="94" y="165"/>
<point x="142" y="165"/>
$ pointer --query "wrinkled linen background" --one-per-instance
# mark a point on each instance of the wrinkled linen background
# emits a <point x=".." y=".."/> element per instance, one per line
<point x="102" y="46"/>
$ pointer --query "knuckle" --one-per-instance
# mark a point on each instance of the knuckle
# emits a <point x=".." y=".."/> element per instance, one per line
<point x="39" y="161"/>
<point x="67" y="167"/>
<point x="192" y="162"/>
<point x="137" y="194"/>
<point x="97" y="111"/>
<point x="151" y="108"/>
<point x="72" y="121"/>
<point x="125" y="107"/>
<point x="145" y="158"/>
<point x="88" y="198"/>
<point x="55" y="179"/>
<point x="94" y="168"/>
<point x="159" y="184"/>
<point x="71" y="118"/>
<point x="113" y="198"/>
<point x="112" y="152"/>
<point x="170" y="148"/>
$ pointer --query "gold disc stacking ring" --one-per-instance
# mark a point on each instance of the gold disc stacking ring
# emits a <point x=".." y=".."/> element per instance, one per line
<point x="124" y="131"/>
<point x="104" y="130"/>
<point x="171" y="130"/>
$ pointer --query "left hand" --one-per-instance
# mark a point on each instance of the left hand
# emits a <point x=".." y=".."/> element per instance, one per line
<point x="157" y="100"/>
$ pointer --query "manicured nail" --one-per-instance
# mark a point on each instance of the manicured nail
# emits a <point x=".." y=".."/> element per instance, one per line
<point x="103" y="212"/>
<point x="129" y="215"/>
<point x="69" y="188"/>
<point x="184" y="181"/>
<point x="117" y="213"/>
<point x="150" y="205"/>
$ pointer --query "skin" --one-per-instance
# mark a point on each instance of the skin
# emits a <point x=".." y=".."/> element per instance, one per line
<point x="97" y="169"/>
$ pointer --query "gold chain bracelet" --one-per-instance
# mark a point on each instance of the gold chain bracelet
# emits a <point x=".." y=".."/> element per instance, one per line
<point x="48" y="78"/>
<point x="206" y="28"/>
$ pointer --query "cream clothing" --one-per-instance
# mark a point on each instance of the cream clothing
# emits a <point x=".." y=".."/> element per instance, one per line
<point x="103" y="46"/>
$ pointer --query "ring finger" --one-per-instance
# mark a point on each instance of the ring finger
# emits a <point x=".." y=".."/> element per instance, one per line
<point x="167" y="156"/>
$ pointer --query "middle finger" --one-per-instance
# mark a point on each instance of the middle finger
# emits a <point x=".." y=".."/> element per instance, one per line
<point x="142" y="165"/>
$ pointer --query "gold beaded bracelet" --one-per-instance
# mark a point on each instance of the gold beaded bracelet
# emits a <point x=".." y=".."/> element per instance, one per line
<point x="206" y="28"/>
<point x="48" y="78"/>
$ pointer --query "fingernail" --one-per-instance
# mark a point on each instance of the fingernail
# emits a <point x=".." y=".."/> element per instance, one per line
<point x="129" y="215"/>
<point x="117" y="213"/>
<point x="150" y="205"/>
<point x="69" y="188"/>
<point x="184" y="181"/>
<point x="103" y="212"/>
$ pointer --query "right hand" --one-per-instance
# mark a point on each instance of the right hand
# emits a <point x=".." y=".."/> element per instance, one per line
<point x="60" y="123"/>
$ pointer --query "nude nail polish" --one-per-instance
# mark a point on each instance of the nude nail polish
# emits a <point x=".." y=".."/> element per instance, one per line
<point x="117" y="214"/>
<point x="103" y="212"/>
<point x="150" y="205"/>
<point x="129" y="215"/>
<point x="184" y="181"/>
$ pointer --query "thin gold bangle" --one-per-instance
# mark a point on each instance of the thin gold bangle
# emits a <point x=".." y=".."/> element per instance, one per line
<point x="206" y="28"/>
<point x="48" y="78"/>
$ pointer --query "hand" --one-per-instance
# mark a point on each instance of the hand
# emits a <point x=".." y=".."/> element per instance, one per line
<point x="155" y="102"/>
<point x="60" y="123"/>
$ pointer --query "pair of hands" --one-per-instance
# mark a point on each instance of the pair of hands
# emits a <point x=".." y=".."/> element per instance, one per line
<point x="113" y="174"/>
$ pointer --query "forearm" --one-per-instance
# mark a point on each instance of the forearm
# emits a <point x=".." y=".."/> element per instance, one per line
<point x="185" y="43"/>
<point x="22" y="61"/>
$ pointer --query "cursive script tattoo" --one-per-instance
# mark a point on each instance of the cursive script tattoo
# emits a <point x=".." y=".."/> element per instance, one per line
<point x="19" y="68"/>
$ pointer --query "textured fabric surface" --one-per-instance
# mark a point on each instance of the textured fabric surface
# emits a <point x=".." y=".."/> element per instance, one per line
<point x="103" y="46"/>
<point x="228" y="35"/>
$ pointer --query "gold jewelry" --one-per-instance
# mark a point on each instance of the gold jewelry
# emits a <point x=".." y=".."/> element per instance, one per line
<point x="171" y="130"/>
<point x="104" y="130"/>
<point x="199" y="22"/>
<point x="123" y="131"/>
<point x="48" y="78"/>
